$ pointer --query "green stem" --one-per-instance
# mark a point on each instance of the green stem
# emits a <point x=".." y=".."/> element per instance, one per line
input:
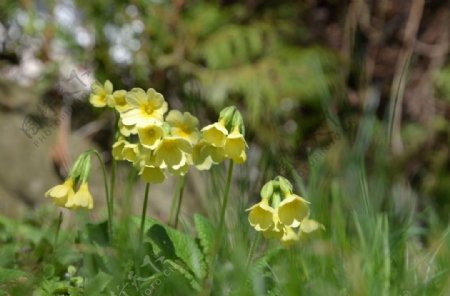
<point x="252" y="249"/>
<point x="112" y="183"/>
<point x="144" y="210"/>
<point x="58" y="228"/>
<point x="216" y="246"/>
<point x="174" y="201"/>
<point x="225" y="199"/>
<point x="108" y="199"/>
<point x="180" y="200"/>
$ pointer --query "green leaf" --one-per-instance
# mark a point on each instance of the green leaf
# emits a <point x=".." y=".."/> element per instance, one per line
<point x="97" y="284"/>
<point x="159" y="235"/>
<point x="187" y="275"/>
<point x="175" y="244"/>
<point x="98" y="233"/>
<point x="205" y="232"/>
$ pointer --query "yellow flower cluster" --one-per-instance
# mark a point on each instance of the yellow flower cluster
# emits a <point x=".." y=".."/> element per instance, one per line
<point x="281" y="214"/>
<point x="64" y="195"/>
<point x="156" y="142"/>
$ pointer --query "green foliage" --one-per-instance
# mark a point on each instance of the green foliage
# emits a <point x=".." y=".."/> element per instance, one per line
<point x="205" y="232"/>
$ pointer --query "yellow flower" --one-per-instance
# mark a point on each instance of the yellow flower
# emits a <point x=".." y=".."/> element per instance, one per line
<point x="130" y="152"/>
<point x="277" y="231"/>
<point x="61" y="193"/>
<point x="309" y="225"/>
<point x="235" y="147"/>
<point x="81" y="199"/>
<point x="117" y="149"/>
<point x="118" y="101"/>
<point x="215" y="134"/>
<point x="151" y="174"/>
<point x="289" y="237"/>
<point x="100" y="93"/>
<point x="172" y="151"/>
<point x="179" y="170"/>
<point x="292" y="210"/>
<point x="261" y="216"/>
<point x="145" y="107"/>
<point x="183" y="125"/>
<point x="127" y="130"/>
<point x="150" y="135"/>
<point x="204" y="155"/>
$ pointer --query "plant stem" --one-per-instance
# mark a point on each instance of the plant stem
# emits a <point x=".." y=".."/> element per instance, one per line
<point x="180" y="199"/>
<point x="58" y="228"/>
<point x="112" y="183"/>
<point x="252" y="249"/>
<point x="144" y="210"/>
<point x="216" y="246"/>
<point x="174" y="201"/>
<point x="108" y="200"/>
<point x="225" y="199"/>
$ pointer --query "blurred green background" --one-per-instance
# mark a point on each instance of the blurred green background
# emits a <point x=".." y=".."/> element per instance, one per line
<point x="304" y="74"/>
<point x="346" y="98"/>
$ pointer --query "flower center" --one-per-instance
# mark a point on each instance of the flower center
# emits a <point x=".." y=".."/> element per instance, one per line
<point x="148" y="109"/>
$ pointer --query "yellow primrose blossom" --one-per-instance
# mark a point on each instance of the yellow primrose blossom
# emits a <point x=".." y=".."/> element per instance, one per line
<point x="152" y="174"/>
<point x="261" y="215"/>
<point x="292" y="210"/>
<point x="101" y="93"/>
<point x="183" y="125"/>
<point x="289" y="237"/>
<point x="81" y="199"/>
<point x="172" y="151"/>
<point x="204" y="155"/>
<point x="215" y="134"/>
<point x="117" y="148"/>
<point x="61" y="193"/>
<point x="277" y="230"/>
<point x="127" y="130"/>
<point x="145" y="107"/>
<point x="180" y="170"/>
<point x="130" y="152"/>
<point x="235" y="146"/>
<point x="310" y="225"/>
<point x="150" y="135"/>
<point x="118" y="101"/>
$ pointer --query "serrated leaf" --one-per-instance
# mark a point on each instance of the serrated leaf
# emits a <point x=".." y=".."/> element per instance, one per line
<point x="158" y="234"/>
<point x="175" y="244"/>
<point x="187" y="275"/>
<point x="205" y="232"/>
<point x="188" y="251"/>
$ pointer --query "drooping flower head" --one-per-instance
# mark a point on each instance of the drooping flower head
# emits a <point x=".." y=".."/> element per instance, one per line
<point x="292" y="210"/>
<point x="222" y="139"/>
<point x="61" y="193"/>
<point x="235" y="146"/>
<point x="64" y="195"/>
<point x="261" y="215"/>
<point x="81" y="199"/>
<point x="281" y="214"/>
